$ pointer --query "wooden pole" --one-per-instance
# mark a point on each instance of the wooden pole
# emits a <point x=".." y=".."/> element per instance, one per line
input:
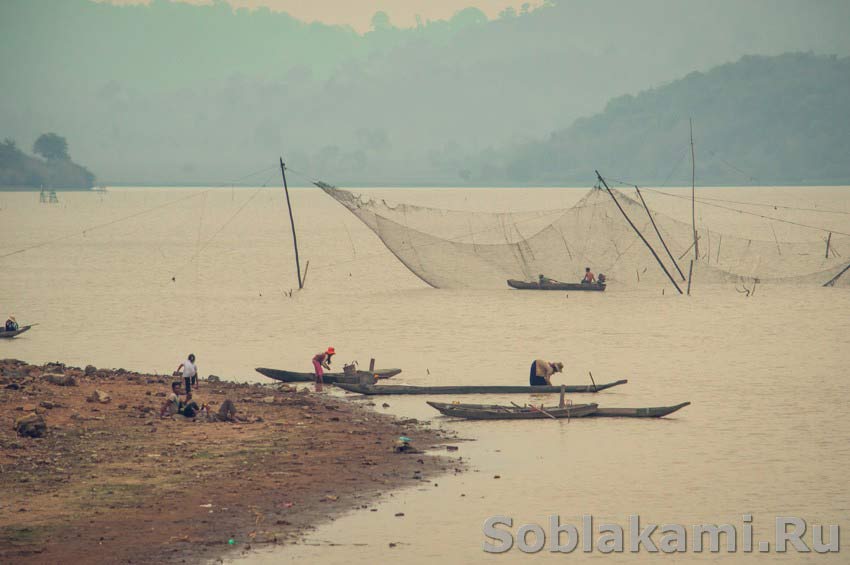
<point x="561" y="403"/>
<point x="292" y="222"/>
<point x="651" y="219"/>
<point x="831" y="282"/>
<point x="637" y="231"/>
<point x="594" y="382"/>
<point x="693" y="191"/>
<point x="828" y="239"/>
<point x="690" y="272"/>
<point x="372" y="365"/>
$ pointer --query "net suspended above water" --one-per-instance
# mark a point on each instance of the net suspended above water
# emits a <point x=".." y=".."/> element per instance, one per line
<point x="460" y="249"/>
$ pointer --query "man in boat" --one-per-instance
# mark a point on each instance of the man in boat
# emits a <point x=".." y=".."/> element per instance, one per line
<point x="322" y="361"/>
<point x="190" y="372"/>
<point x="542" y="371"/>
<point x="11" y="324"/>
<point x="542" y="280"/>
<point x="589" y="277"/>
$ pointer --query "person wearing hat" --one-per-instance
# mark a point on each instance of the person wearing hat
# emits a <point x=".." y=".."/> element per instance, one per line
<point x="11" y="324"/>
<point x="542" y="371"/>
<point x="322" y="361"/>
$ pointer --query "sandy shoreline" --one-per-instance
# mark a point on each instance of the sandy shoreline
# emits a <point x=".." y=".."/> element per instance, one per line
<point x="115" y="479"/>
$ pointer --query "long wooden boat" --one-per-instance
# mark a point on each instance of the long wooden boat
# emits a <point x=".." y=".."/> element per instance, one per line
<point x="523" y="285"/>
<point x="452" y="410"/>
<point x="407" y="389"/>
<point x="329" y="378"/>
<point x="19" y="331"/>
<point x="654" y="412"/>
<point x="497" y="412"/>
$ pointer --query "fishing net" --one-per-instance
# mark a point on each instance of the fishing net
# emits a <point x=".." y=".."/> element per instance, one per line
<point x="461" y="249"/>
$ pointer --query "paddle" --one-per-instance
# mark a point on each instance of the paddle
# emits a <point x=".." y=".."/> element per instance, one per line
<point x="541" y="410"/>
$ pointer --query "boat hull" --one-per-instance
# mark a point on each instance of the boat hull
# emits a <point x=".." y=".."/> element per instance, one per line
<point x="19" y="331"/>
<point x="374" y="390"/>
<point x="655" y="412"/>
<point x="523" y="285"/>
<point x="328" y="378"/>
<point x="497" y="412"/>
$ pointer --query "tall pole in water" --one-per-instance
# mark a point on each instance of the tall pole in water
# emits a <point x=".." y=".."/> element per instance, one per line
<point x="693" y="192"/>
<point x="640" y="235"/>
<point x="292" y="222"/>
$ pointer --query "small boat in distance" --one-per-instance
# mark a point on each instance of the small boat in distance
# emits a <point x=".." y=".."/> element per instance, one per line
<point x="473" y="389"/>
<point x="19" y="331"/>
<point x="329" y="378"/>
<point x="657" y="412"/>
<point x="523" y="285"/>
<point x="516" y="412"/>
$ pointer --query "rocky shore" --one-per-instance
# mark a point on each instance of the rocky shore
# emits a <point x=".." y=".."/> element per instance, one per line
<point x="87" y="466"/>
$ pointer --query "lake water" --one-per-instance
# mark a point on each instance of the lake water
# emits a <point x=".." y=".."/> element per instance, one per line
<point x="767" y="375"/>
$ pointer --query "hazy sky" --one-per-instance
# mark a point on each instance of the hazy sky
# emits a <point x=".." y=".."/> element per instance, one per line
<point x="358" y="13"/>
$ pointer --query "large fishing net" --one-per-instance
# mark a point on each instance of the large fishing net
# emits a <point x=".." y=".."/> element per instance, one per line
<point x="459" y="249"/>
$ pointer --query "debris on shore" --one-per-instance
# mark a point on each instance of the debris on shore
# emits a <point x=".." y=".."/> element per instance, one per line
<point x="86" y="462"/>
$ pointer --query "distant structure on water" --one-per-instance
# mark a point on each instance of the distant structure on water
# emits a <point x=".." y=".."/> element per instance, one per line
<point x="48" y="197"/>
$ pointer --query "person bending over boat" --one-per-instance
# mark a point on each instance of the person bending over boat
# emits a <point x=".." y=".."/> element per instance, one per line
<point x="322" y="361"/>
<point x="542" y="371"/>
<point x="11" y="324"/>
<point x="541" y="279"/>
<point x="589" y="277"/>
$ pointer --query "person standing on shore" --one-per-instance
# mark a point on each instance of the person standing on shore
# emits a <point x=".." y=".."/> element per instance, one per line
<point x="322" y="361"/>
<point x="190" y="372"/>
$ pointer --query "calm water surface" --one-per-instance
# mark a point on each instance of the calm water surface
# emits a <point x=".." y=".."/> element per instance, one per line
<point x="767" y="375"/>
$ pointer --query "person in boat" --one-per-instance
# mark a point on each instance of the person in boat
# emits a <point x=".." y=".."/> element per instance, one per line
<point x="542" y="371"/>
<point x="545" y="280"/>
<point x="322" y="361"/>
<point x="190" y="373"/>
<point x="11" y="324"/>
<point x="589" y="277"/>
<point x="601" y="278"/>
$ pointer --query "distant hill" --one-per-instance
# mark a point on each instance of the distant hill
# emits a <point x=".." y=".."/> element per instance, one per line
<point x="187" y="92"/>
<point x="761" y="120"/>
<point x="56" y="170"/>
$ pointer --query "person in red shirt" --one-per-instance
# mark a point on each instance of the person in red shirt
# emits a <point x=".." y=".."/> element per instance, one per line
<point x="322" y="361"/>
<point x="589" y="277"/>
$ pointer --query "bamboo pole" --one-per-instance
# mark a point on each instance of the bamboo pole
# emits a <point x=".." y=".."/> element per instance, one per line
<point x="292" y="222"/>
<point x="651" y="219"/>
<point x="690" y="272"/>
<point x="693" y="191"/>
<point x="831" y="282"/>
<point x="828" y="239"/>
<point x="637" y="231"/>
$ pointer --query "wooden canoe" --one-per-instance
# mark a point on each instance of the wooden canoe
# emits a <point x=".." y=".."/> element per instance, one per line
<point x="654" y="412"/>
<point x="328" y="378"/>
<point x="498" y="412"/>
<point x="19" y="331"/>
<point x="522" y="285"/>
<point x="659" y="412"/>
<point x="406" y="389"/>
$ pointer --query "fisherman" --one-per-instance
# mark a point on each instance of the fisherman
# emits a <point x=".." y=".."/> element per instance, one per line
<point x="589" y="278"/>
<point x="322" y="361"/>
<point x="542" y="371"/>
<point x="190" y="372"/>
<point x="601" y="278"/>
<point x="11" y="324"/>
<point x="545" y="280"/>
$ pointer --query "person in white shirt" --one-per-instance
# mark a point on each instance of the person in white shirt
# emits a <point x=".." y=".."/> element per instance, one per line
<point x="190" y="372"/>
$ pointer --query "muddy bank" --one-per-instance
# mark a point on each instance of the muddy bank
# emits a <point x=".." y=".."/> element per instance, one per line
<point x="111" y="477"/>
